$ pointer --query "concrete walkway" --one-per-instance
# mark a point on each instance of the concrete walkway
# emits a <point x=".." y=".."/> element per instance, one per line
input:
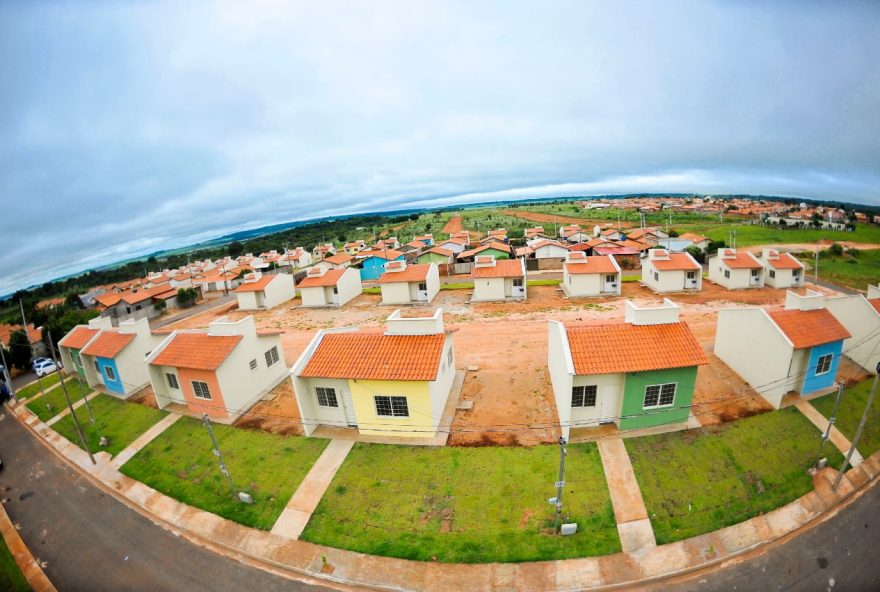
<point x="836" y="437"/>
<point x="299" y="509"/>
<point x="633" y="525"/>
<point x="144" y="439"/>
<point x="66" y="411"/>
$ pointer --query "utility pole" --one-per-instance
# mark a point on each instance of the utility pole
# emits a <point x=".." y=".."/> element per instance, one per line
<point x="7" y="377"/>
<point x="207" y="421"/>
<point x="831" y="421"/>
<point x="560" y="483"/>
<point x="816" y="266"/>
<point x="79" y="431"/>
<point x="859" y="431"/>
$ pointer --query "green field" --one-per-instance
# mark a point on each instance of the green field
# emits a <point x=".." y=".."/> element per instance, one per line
<point x="11" y="578"/>
<point x="747" y="234"/>
<point x="34" y="387"/>
<point x="116" y="420"/>
<point x="55" y="397"/>
<point x="701" y="480"/>
<point x="181" y="464"/>
<point x="855" y="270"/>
<point x="464" y="504"/>
<point x="852" y="405"/>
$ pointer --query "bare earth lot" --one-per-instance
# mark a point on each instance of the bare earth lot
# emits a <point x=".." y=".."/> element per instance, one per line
<point x="507" y="342"/>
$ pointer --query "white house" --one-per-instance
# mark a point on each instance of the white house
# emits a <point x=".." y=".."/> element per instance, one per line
<point x="297" y="257"/>
<point x="404" y="283"/>
<point x="330" y="287"/>
<point x="221" y="371"/>
<point x="337" y="261"/>
<point x="590" y="276"/>
<point x="321" y="251"/>
<point x="549" y="249"/>
<point x="574" y="234"/>
<point x="697" y="240"/>
<point x="665" y="272"/>
<point x="260" y="292"/>
<point x="861" y="317"/>
<point x="736" y="270"/>
<point x="782" y="270"/>
<point x="456" y="245"/>
<point x="498" y="279"/>
<point x="114" y="359"/>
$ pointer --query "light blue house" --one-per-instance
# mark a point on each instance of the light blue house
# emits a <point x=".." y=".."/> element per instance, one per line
<point x="113" y="360"/>
<point x="373" y="264"/>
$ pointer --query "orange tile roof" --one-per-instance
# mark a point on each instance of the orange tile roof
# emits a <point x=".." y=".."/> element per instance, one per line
<point x="108" y="344"/>
<point x="374" y="356"/>
<point x="623" y="347"/>
<point x="493" y="245"/>
<point x="256" y="286"/>
<point x="603" y="264"/>
<point x="199" y="351"/>
<point x="638" y="245"/>
<point x="742" y="260"/>
<point x="676" y="262"/>
<point x="328" y="279"/>
<point x="49" y="302"/>
<point x="339" y="258"/>
<point x="457" y="241"/>
<point x="545" y="242"/>
<point x="503" y="268"/>
<point x="640" y="232"/>
<point x="875" y="302"/>
<point x="440" y="251"/>
<point x="108" y="299"/>
<point x="387" y="254"/>
<point x="785" y="261"/>
<point x="78" y="337"/>
<point x="6" y="331"/>
<point x="412" y="273"/>
<point x="696" y="238"/>
<point x="806" y="328"/>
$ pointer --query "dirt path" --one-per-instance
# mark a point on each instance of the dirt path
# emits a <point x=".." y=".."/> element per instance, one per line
<point x="453" y="225"/>
<point x="537" y="217"/>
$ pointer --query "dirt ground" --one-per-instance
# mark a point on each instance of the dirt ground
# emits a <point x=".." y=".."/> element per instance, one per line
<point x="453" y="225"/>
<point x="537" y="217"/>
<point x="507" y="342"/>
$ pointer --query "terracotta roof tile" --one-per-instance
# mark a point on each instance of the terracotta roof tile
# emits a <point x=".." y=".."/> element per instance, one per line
<point x="806" y="328"/>
<point x="108" y="298"/>
<point x="78" y="337"/>
<point x="375" y="356"/>
<point x="387" y="254"/>
<point x="199" y="351"/>
<point x="622" y="347"/>
<point x="256" y="286"/>
<point x="696" y="238"/>
<point x="328" y="279"/>
<point x="503" y="268"/>
<point x="676" y="262"/>
<point x="603" y="264"/>
<point x="493" y="245"/>
<point x="615" y="250"/>
<point x="339" y="258"/>
<point x="411" y="273"/>
<point x="875" y="302"/>
<point x="785" y="261"/>
<point x="440" y="251"/>
<point x="546" y="242"/>
<point x="741" y="260"/>
<point x="108" y="344"/>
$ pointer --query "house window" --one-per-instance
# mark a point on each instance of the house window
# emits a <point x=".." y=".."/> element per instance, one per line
<point x="692" y="275"/>
<point x="97" y="367"/>
<point x="272" y="356"/>
<point x="727" y="273"/>
<point x="772" y="273"/>
<point x="656" y="277"/>
<point x="659" y="395"/>
<point x="449" y="357"/>
<point x="755" y="272"/>
<point x="127" y="310"/>
<point x="253" y="364"/>
<point x="583" y="396"/>
<point x="391" y="406"/>
<point x="109" y="372"/>
<point x="172" y="380"/>
<point x="517" y="282"/>
<point x="138" y="307"/>
<point x="823" y="364"/>
<point x="326" y="397"/>
<point x="201" y="390"/>
<point x="795" y="273"/>
<point x="423" y="287"/>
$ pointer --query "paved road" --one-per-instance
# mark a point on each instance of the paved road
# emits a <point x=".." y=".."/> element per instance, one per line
<point x="192" y="311"/>
<point x="93" y="543"/>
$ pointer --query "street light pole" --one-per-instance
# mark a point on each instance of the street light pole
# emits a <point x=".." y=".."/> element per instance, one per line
<point x="859" y="431"/>
<point x="560" y="483"/>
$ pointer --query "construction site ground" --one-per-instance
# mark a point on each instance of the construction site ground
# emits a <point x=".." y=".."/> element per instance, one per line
<point x="507" y="344"/>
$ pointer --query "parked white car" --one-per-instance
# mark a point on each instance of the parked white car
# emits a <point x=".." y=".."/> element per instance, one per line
<point x="44" y="368"/>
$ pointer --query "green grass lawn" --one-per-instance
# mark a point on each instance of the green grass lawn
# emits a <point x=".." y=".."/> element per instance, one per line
<point x="847" y="270"/>
<point x="701" y="480"/>
<point x="543" y="282"/>
<point x="631" y="278"/>
<point x="55" y="397"/>
<point x="116" y="420"/>
<point x="747" y="235"/>
<point x="181" y="464"/>
<point x="34" y="387"/>
<point x="457" y="286"/>
<point x="465" y="504"/>
<point x="11" y="578"/>
<point x="852" y="405"/>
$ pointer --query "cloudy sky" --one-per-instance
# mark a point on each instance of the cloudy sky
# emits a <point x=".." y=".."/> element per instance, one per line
<point x="127" y="127"/>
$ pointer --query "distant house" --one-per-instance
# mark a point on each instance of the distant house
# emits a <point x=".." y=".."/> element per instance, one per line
<point x="456" y="245"/>
<point x="262" y="292"/>
<point x="221" y="371"/>
<point x="388" y="243"/>
<point x="861" y="317"/>
<point x="136" y="302"/>
<point x="355" y="247"/>
<point x="330" y="287"/>
<point x="736" y="270"/>
<point x="494" y="249"/>
<point x="337" y="261"/>
<point x="297" y="257"/>
<point x="650" y="236"/>
<point x="665" y="272"/>
<point x="394" y="384"/>
<point x="374" y="260"/>
<point x="626" y="257"/>
<point x="590" y="276"/>
<point x="76" y="339"/>
<point x="426" y="239"/>
<point x="114" y="359"/>
<point x="611" y="234"/>
<point x="412" y="248"/>
<point x="781" y="270"/>
<point x="407" y="284"/>
<point x="573" y="234"/>
<point x="639" y="373"/>
<point x="34" y="334"/>
<point x="437" y="255"/>
<point x="549" y="249"/>
<point x="795" y="350"/>
<point x="498" y="279"/>
<point x="697" y="240"/>
<point x="499" y="235"/>
<point x="321" y="251"/>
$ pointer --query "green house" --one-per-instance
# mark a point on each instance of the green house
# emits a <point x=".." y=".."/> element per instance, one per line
<point x="639" y="373"/>
<point x="437" y="255"/>
<point x="493" y="249"/>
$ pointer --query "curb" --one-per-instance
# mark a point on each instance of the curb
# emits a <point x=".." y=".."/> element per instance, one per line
<point x="29" y="566"/>
<point x="676" y="560"/>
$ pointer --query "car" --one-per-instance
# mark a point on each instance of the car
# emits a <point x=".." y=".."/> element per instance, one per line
<point x="44" y="368"/>
<point x="37" y="361"/>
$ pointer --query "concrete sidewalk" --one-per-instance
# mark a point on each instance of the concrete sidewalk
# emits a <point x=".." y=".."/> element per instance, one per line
<point x="66" y="411"/>
<point x="836" y="437"/>
<point x="144" y="439"/>
<point x="649" y="565"/>
<point x="633" y="525"/>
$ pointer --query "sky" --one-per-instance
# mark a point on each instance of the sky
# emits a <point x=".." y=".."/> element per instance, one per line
<point x="130" y="127"/>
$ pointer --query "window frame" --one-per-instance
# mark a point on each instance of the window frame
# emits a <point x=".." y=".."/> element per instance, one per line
<point x="583" y="396"/>
<point x="659" y="387"/>
<point x="772" y="274"/>
<point x="168" y="379"/>
<point x="391" y="400"/>
<point x="196" y="390"/>
<point x="271" y="356"/>
<point x="253" y="364"/>
<point x="109" y="373"/>
<point x="327" y="392"/>
<point x="820" y="363"/>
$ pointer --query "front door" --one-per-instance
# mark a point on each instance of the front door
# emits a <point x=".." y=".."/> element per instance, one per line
<point x="519" y="288"/>
<point x="690" y="281"/>
<point x="611" y="283"/>
<point x="607" y="408"/>
<point x="422" y="292"/>
<point x="334" y="298"/>
<point x="755" y="279"/>
<point x="348" y="407"/>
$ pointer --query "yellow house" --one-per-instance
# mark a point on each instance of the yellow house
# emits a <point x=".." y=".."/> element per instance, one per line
<point x="391" y="384"/>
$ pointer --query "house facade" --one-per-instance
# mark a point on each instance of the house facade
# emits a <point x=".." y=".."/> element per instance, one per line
<point x="736" y="270"/>
<point x="76" y="339"/>
<point x="861" y="317"/>
<point x="114" y="359"/>
<point x="782" y="270"/>
<point x="262" y="292"/>
<point x="456" y="245"/>
<point x="640" y="373"/>
<point x="437" y="255"/>
<point x="794" y="350"/>
<point x="392" y="384"/>
<point x="584" y="276"/>
<point x="666" y="272"/>
<point x="330" y="287"/>
<point x="498" y="279"/>
<point x="374" y="260"/>
<point x="549" y="249"/>
<point x="337" y="261"/>
<point x="403" y="283"/>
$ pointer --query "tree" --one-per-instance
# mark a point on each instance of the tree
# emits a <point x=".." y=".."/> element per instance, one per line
<point x="160" y="305"/>
<point x="19" y="349"/>
<point x="186" y="296"/>
<point x="413" y="217"/>
<point x="673" y="233"/>
<point x="73" y="301"/>
<point x="835" y="250"/>
<point x="235" y="249"/>
<point x="714" y="246"/>
<point x="696" y="253"/>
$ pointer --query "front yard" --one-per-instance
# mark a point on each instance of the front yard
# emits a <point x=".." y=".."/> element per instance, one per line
<point x="11" y="578"/>
<point x="852" y="405"/>
<point x="55" y="398"/>
<point x="181" y="464"/>
<point x="701" y="480"/>
<point x="34" y="387"/>
<point x="465" y="504"/>
<point x="116" y="420"/>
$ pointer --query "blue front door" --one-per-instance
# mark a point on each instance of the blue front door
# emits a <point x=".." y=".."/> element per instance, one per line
<point x="823" y="363"/>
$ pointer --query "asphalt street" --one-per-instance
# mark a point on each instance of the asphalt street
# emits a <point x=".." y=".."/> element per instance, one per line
<point x="91" y="542"/>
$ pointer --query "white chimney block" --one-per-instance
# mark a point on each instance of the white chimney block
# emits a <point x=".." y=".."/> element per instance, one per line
<point x="665" y="314"/>
<point x="811" y="301"/>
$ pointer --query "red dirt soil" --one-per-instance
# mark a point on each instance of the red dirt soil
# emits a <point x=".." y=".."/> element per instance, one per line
<point x="453" y="225"/>
<point x="536" y="217"/>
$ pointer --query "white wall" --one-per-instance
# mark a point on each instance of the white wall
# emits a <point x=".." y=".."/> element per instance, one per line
<point x="248" y="300"/>
<point x="582" y="284"/>
<point x="751" y="345"/>
<point x="863" y="322"/>
<point x="438" y="389"/>
<point x="561" y="368"/>
<point x="609" y="399"/>
<point x="551" y="252"/>
<point x="315" y="296"/>
<point x="280" y="290"/>
<point x="784" y="278"/>
<point x="349" y="285"/>
<point x="739" y="278"/>
<point x="487" y="289"/>
<point x="395" y="293"/>
<point x="241" y="386"/>
<point x="312" y="413"/>
<point x="396" y="324"/>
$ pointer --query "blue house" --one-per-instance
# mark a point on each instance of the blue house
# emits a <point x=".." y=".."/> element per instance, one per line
<point x="114" y="359"/>
<point x="373" y="264"/>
